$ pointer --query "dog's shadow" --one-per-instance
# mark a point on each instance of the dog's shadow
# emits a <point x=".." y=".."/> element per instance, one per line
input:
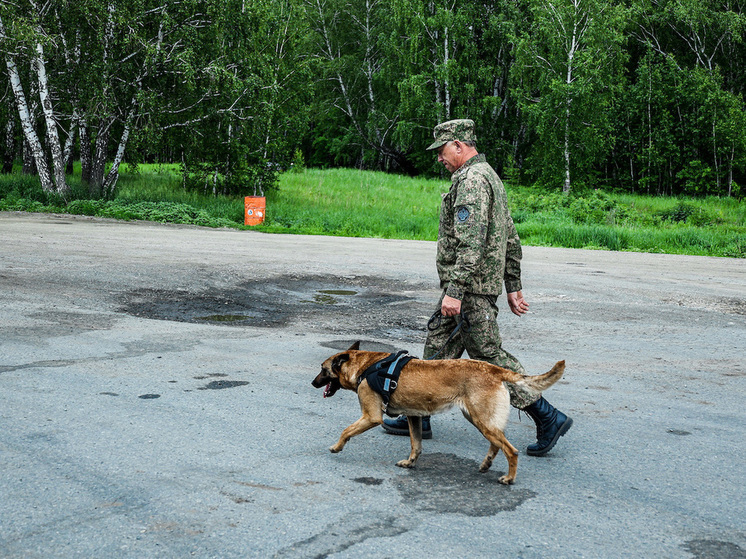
<point x="448" y="483"/>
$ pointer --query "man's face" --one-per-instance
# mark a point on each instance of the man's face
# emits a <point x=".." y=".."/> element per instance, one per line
<point x="450" y="156"/>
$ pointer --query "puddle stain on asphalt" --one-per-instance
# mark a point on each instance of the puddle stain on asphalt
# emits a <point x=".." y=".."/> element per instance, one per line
<point x="714" y="549"/>
<point x="678" y="432"/>
<point x="224" y="318"/>
<point x="339" y="537"/>
<point x="221" y="384"/>
<point x="445" y="483"/>
<point x="329" y="296"/>
<point x="285" y="299"/>
<point x="368" y="480"/>
<point x="441" y="484"/>
<point x="322" y="299"/>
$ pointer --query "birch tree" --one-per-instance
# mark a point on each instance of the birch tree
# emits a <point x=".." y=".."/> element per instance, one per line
<point x="570" y="62"/>
<point x="248" y="103"/>
<point x="453" y="59"/>
<point x="8" y="114"/>
<point x="699" y="44"/>
<point x="138" y="46"/>
<point x="356" y="78"/>
<point x="24" y="41"/>
<point x="425" y="47"/>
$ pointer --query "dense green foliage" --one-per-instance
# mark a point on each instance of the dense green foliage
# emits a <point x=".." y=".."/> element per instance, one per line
<point x="374" y="204"/>
<point x="640" y="96"/>
<point x="219" y="86"/>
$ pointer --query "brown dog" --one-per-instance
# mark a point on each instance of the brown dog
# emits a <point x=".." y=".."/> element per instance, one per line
<point x="430" y="387"/>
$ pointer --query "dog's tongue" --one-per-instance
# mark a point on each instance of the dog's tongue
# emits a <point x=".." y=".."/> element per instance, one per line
<point x="327" y="390"/>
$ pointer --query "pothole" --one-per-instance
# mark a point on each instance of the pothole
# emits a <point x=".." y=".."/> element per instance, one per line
<point x="359" y="306"/>
<point x="223" y="318"/>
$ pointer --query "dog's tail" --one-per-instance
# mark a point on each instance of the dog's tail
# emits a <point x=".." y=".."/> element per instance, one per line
<point x="538" y="383"/>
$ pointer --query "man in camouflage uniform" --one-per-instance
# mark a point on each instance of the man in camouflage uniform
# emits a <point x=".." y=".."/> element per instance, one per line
<point x="478" y="250"/>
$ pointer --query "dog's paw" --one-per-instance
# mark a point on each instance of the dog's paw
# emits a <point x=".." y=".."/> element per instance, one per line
<point x="334" y="449"/>
<point x="505" y="480"/>
<point x="485" y="466"/>
<point x="405" y="464"/>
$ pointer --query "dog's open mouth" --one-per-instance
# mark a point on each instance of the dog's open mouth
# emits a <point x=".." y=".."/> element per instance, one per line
<point x="331" y="388"/>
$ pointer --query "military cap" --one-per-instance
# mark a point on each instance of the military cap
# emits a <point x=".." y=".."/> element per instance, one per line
<point x="461" y="129"/>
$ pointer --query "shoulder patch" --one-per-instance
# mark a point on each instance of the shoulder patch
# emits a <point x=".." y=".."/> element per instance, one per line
<point x="462" y="214"/>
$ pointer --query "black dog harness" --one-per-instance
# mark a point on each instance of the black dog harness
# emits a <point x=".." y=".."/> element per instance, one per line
<point x="383" y="376"/>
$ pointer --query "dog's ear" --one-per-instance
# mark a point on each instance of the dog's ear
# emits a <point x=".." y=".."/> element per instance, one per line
<point x="355" y="346"/>
<point x="337" y="362"/>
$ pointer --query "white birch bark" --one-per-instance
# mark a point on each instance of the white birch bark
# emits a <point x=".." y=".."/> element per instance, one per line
<point x="446" y="81"/>
<point x="10" y="133"/>
<point x="568" y="80"/>
<point x="53" y="138"/>
<point x="67" y="151"/>
<point x="24" y="114"/>
<point x="110" y="182"/>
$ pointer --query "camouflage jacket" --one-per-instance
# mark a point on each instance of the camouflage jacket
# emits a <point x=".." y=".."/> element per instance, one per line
<point x="478" y="246"/>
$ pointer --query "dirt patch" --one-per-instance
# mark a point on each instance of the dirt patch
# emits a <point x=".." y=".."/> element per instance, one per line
<point x="726" y="305"/>
<point x="445" y="483"/>
<point x="714" y="549"/>
<point x="359" y="306"/>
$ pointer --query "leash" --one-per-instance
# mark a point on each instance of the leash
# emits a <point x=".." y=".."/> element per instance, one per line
<point x="434" y="324"/>
<point x="383" y="376"/>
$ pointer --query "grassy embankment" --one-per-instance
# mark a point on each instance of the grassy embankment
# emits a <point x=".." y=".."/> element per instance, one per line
<point x="368" y="204"/>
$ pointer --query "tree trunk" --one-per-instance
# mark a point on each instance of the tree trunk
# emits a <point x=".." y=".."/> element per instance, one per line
<point x="98" y="163"/>
<point x="10" y="140"/>
<point x="29" y="165"/>
<point x="28" y="129"/>
<point x="730" y="170"/>
<point x="67" y="152"/>
<point x="715" y="152"/>
<point x="110" y="181"/>
<point x="85" y="153"/>
<point x="566" y="186"/>
<point x="446" y="84"/>
<point x="568" y="80"/>
<point x="53" y="138"/>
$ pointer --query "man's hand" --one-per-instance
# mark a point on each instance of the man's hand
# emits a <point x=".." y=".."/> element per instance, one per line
<point x="450" y="306"/>
<point x="517" y="303"/>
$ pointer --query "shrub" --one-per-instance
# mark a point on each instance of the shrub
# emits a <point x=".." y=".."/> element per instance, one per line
<point x="298" y="165"/>
<point x="85" y="207"/>
<point x="678" y="213"/>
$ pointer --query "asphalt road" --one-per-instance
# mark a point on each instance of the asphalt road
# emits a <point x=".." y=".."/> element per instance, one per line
<point x="156" y="401"/>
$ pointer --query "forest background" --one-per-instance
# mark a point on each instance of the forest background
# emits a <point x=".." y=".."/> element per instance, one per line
<point x="571" y="96"/>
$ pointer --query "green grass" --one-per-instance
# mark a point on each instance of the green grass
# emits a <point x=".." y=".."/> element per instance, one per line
<point x="354" y="203"/>
<point x="370" y="204"/>
<point x="595" y="220"/>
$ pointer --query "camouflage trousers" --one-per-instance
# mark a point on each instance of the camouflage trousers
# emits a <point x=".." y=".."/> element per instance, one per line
<point x="482" y="341"/>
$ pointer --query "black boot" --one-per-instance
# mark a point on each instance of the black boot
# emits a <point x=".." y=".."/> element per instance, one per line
<point x="400" y="426"/>
<point x="551" y="424"/>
